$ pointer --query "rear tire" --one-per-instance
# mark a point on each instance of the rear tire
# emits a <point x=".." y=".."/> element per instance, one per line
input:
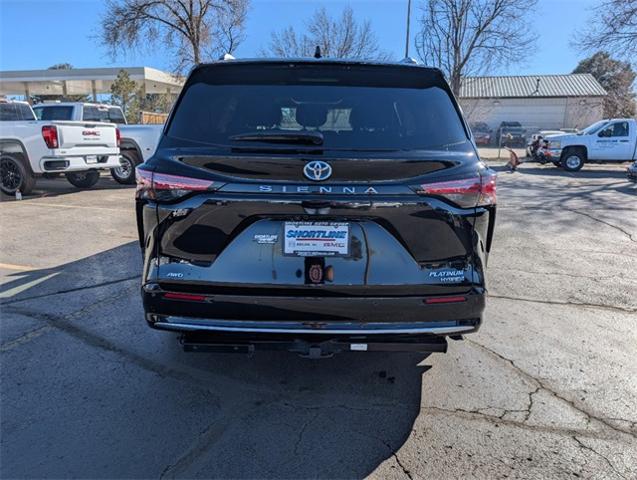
<point x="126" y="173"/>
<point x="83" y="179"/>
<point x="573" y="160"/>
<point x="14" y="175"/>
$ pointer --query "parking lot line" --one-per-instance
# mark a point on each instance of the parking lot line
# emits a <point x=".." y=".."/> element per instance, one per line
<point x="60" y="205"/>
<point x="25" y="286"/>
<point x="19" y="268"/>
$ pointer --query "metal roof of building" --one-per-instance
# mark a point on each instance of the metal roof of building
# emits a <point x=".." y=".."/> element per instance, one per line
<point x="573" y="85"/>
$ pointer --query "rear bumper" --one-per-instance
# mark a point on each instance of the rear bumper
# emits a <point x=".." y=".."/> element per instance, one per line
<point x="64" y="163"/>
<point x="317" y="316"/>
<point x="188" y="324"/>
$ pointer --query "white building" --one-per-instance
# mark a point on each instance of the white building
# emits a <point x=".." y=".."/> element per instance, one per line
<point x="84" y="81"/>
<point x="536" y="101"/>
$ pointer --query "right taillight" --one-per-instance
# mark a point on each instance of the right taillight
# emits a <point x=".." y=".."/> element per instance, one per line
<point x="166" y="187"/>
<point x="50" y="136"/>
<point x="467" y="192"/>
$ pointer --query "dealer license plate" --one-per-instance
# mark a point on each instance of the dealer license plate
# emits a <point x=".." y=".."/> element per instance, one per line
<point x="316" y="238"/>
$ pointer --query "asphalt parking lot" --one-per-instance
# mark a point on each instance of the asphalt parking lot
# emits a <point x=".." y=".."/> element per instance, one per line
<point x="546" y="389"/>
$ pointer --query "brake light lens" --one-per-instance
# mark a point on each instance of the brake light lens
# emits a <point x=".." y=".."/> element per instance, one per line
<point x="118" y="136"/>
<point x="50" y="136"/>
<point x="162" y="186"/>
<point x="468" y="192"/>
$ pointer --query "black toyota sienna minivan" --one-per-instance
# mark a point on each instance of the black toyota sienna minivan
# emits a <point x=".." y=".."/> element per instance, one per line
<point x="315" y="206"/>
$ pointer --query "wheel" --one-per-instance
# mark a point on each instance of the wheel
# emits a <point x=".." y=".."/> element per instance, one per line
<point x="125" y="174"/>
<point x="83" y="179"/>
<point x="15" y="175"/>
<point x="573" y="160"/>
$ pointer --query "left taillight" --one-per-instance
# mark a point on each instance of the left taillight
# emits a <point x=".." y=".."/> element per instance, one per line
<point x="467" y="192"/>
<point x="165" y="187"/>
<point x="50" y="136"/>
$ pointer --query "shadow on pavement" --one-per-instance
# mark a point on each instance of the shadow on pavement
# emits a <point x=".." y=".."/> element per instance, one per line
<point x="55" y="187"/>
<point x="117" y="399"/>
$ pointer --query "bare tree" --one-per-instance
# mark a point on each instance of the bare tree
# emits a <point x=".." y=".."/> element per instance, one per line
<point x="185" y="28"/>
<point x="229" y="30"/>
<point x="613" y="28"/>
<point x="342" y="37"/>
<point x="468" y="37"/>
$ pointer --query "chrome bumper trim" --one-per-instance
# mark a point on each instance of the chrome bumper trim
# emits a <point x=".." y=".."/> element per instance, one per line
<point x="284" y="327"/>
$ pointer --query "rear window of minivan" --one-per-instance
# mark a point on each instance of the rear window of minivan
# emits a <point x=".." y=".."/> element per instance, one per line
<point x="351" y="106"/>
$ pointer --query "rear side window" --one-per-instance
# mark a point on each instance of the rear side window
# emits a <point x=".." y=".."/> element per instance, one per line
<point x="115" y="115"/>
<point x="352" y="110"/>
<point x="12" y="112"/>
<point x="54" y="113"/>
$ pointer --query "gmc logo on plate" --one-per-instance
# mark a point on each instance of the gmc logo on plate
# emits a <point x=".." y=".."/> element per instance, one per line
<point x="91" y="133"/>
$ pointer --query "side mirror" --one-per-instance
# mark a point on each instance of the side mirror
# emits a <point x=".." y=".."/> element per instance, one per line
<point x="604" y="134"/>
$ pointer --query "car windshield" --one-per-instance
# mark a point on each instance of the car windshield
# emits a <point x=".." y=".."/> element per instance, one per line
<point x="349" y="110"/>
<point x="591" y="129"/>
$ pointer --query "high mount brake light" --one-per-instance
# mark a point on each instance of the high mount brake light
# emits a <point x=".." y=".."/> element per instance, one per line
<point x="162" y="186"/>
<point x="50" y="136"/>
<point x="468" y="192"/>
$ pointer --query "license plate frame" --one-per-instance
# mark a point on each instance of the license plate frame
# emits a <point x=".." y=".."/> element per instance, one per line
<point x="317" y="239"/>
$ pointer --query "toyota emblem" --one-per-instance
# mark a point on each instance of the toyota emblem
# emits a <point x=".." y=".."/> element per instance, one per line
<point x="317" y="170"/>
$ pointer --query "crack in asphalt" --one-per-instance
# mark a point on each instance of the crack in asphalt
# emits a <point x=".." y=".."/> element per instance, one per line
<point x="539" y="383"/>
<point x="501" y="419"/>
<point x="591" y="449"/>
<point x="558" y="274"/>
<point x="604" y="222"/>
<point x="567" y="303"/>
<point x="299" y="439"/>
<point x="204" y="440"/>
<point x="71" y="290"/>
<point x="62" y="323"/>
<point x="394" y="454"/>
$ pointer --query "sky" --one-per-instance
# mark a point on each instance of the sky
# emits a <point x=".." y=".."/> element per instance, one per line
<point x="35" y="34"/>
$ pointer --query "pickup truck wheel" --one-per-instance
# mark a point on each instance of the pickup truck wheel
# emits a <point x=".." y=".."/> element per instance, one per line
<point x="83" y="179"/>
<point x="573" y="160"/>
<point x="15" y="175"/>
<point x="125" y="174"/>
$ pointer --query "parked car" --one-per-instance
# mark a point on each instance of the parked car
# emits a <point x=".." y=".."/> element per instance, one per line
<point x="317" y="206"/>
<point x="611" y="140"/>
<point x="511" y="134"/>
<point x="481" y="133"/>
<point x="138" y="141"/>
<point x="31" y="148"/>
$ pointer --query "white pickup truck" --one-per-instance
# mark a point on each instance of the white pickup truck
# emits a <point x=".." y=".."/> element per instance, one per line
<point x="611" y="140"/>
<point x="31" y="148"/>
<point x="138" y="141"/>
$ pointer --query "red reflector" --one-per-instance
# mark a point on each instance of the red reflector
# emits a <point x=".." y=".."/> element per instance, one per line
<point x="445" y="300"/>
<point x="185" y="296"/>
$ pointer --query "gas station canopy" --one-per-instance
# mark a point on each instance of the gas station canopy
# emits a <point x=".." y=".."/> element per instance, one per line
<point x="84" y="81"/>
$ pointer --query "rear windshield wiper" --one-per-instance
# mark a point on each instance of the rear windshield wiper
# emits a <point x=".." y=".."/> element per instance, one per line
<point x="305" y="138"/>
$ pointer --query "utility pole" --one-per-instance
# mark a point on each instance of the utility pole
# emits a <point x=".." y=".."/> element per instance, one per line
<point x="408" y="21"/>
